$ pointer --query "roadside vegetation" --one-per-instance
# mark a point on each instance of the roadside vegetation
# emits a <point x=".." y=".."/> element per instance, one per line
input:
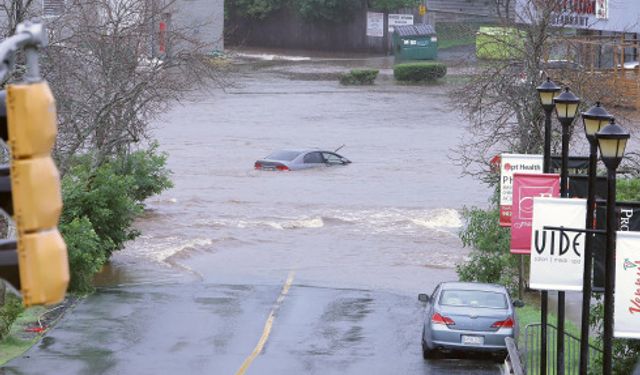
<point x="456" y="34"/>
<point x="359" y="77"/>
<point x="312" y="10"/>
<point x="107" y="89"/>
<point x="419" y="71"/>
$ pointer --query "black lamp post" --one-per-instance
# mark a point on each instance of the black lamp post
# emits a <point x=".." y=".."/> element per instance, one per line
<point x="566" y="109"/>
<point x="547" y="91"/>
<point x="593" y="120"/>
<point x="612" y="140"/>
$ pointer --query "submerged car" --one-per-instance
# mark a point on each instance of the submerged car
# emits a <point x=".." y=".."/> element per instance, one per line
<point x="292" y="160"/>
<point x="468" y="317"/>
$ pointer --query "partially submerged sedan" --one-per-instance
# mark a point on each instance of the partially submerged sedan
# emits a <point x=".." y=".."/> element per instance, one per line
<point x="291" y="160"/>
<point x="468" y="317"/>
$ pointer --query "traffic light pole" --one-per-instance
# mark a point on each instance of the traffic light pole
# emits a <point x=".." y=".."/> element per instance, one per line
<point x="29" y="36"/>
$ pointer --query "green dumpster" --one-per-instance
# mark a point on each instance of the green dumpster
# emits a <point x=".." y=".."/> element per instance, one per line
<point x="415" y="42"/>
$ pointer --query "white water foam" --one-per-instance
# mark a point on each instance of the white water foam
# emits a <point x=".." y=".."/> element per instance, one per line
<point x="280" y="224"/>
<point x="271" y="57"/>
<point x="377" y="221"/>
<point x="161" y="249"/>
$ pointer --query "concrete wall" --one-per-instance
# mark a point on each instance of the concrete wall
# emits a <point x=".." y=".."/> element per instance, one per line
<point x="204" y="17"/>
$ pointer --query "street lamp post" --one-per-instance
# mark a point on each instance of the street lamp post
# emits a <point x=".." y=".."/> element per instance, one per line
<point x="593" y="120"/>
<point x="566" y="108"/>
<point x="612" y="141"/>
<point x="546" y="91"/>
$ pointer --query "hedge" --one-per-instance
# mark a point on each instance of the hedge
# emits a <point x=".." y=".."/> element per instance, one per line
<point x="359" y="77"/>
<point x="419" y="71"/>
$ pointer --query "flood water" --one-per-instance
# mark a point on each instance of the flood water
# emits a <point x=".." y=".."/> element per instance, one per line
<point x="390" y="220"/>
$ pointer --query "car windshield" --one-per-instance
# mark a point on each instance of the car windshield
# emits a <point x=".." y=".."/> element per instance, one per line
<point x="283" y="155"/>
<point x="473" y="298"/>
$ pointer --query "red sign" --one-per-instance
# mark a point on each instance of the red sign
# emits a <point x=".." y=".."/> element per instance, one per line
<point x="526" y="186"/>
<point x="161" y="36"/>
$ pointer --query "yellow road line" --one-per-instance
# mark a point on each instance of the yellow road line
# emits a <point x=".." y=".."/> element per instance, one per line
<point x="267" y="327"/>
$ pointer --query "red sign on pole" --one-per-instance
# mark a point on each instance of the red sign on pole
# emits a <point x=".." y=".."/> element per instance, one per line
<point x="527" y="186"/>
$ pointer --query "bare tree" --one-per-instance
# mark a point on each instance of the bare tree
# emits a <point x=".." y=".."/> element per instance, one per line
<point x="501" y="101"/>
<point x="107" y="81"/>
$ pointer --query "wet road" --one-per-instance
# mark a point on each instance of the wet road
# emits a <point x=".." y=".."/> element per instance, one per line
<point x="203" y="286"/>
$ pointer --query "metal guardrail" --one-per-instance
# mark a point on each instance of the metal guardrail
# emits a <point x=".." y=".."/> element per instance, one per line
<point x="513" y="365"/>
<point x="531" y="354"/>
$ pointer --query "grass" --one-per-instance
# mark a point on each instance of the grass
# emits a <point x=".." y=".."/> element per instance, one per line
<point x="531" y="315"/>
<point x="454" y="34"/>
<point x="18" y="341"/>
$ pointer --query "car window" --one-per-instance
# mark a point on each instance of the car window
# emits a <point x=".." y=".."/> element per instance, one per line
<point x="313" y="157"/>
<point x="332" y="158"/>
<point x="473" y="298"/>
<point x="283" y="155"/>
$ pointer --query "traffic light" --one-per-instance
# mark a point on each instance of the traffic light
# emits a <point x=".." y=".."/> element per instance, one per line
<point x="36" y="201"/>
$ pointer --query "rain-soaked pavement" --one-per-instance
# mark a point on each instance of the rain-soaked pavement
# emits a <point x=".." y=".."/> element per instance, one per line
<point x="313" y="272"/>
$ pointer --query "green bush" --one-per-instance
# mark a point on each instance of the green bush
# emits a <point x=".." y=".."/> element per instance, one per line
<point x="327" y="10"/>
<point x="8" y="313"/>
<point x="490" y="261"/>
<point x="258" y="9"/>
<point x="626" y="352"/>
<point x="419" y="71"/>
<point x="147" y="167"/>
<point x="104" y="197"/>
<point x="359" y="77"/>
<point x="86" y="253"/>
<point x="101" y="204"/>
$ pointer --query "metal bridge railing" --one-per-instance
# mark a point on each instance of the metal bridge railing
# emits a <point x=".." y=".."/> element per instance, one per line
<point x="531" y="352"/>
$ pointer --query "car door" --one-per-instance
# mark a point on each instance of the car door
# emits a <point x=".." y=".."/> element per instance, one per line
<point x="331" y="159"/>
<point x="313" y="159"/>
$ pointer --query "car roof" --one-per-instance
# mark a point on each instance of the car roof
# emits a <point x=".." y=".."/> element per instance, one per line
<point x="304" y="150"/>
<point x="473" y="286"/>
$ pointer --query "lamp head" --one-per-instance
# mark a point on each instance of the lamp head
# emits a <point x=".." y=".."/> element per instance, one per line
<point x="547" y="91"/>
<point x="595" y="119"/>
<point x="566" y="106"/>
<point x="612" y="141"/>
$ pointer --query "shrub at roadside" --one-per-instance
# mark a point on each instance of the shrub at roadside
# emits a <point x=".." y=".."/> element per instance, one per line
<point x="419" y="71"/>
<point x="359" y="77"/>
<point x="100" y="206"/>
<point x="490" y="260"/>
<point x="86" y="255"/>
<point x="9" y="312"/>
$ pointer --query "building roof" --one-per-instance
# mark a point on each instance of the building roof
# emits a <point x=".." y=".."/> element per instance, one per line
<point x="414" y="30"/>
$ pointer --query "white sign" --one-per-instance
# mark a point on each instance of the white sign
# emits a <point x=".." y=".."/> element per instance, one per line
<point x="626" y="315"/>
<point x="602" y="9"/>
<point x="510" y="164"/>
<point x="399" y="20"/>
<point x="556" y="256"/>
<point x="375" y="24"/>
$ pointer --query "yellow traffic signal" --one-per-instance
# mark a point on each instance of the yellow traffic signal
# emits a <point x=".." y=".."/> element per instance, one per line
<point x="35" y="190"/>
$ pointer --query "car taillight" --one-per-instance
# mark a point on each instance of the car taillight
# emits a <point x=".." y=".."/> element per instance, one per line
<point x="507" y="323"/>
<point x="439" y="319"/>
<point x="282" y="168"/>
<point x="257" y="165"/>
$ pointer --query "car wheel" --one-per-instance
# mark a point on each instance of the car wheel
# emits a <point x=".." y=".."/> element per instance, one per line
<point x="500" y="357"/>
<point x="426" y="352"/>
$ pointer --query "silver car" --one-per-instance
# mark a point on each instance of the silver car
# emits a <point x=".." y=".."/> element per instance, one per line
<point x="468" y="317"/>
<point x="291" y="160"/>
